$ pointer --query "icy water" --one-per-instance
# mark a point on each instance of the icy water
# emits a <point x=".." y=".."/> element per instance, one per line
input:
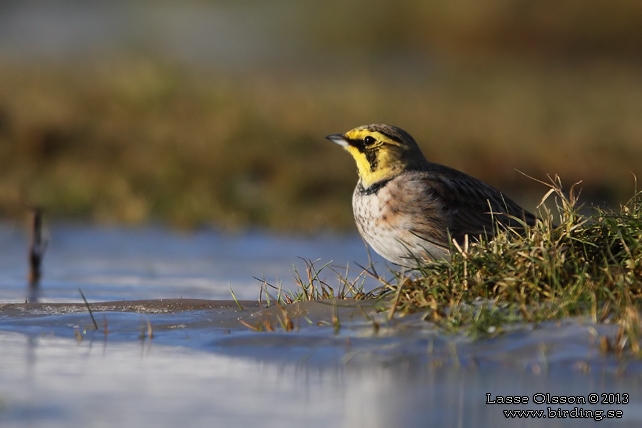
<point x="171" y="349"/>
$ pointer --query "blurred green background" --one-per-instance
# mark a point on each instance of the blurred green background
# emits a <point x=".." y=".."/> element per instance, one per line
<point x="215" y="112"/>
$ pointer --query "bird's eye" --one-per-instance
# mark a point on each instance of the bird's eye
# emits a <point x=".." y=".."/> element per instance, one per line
<point x="369" y="140"/>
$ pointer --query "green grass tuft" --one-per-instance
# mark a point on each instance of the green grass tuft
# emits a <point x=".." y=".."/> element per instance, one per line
<point x="311" y="286"/>
<point x="582" y="267"/>
<point x="585" y="266"/>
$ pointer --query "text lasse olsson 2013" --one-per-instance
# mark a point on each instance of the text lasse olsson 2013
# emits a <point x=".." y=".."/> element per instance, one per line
<point x="550" y="412"/>
<point x="546" y="398"/>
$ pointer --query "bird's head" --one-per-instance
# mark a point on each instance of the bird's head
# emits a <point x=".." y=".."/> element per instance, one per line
<point x="381" y="151"/>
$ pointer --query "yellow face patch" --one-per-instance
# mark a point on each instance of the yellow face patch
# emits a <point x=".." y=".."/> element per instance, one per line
<point x="378" y="157"/>
<point x="381" y="152"/>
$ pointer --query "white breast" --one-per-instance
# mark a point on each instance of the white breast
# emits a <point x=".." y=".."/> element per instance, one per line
<point x="387" y="229"/>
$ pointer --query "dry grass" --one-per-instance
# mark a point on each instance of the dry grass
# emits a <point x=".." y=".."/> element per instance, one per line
<point x="134" y="140"/>
<point x="547" y="87"/>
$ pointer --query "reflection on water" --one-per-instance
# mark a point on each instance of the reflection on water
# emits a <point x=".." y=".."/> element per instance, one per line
<point x="57" y="382"/>
<point x="203" y="368"/>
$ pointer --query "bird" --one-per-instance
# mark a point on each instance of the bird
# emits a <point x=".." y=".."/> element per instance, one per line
<point x="409" y="209"/>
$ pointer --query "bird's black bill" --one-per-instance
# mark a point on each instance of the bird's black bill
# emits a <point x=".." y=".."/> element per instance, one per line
<point x="338" y="139"/>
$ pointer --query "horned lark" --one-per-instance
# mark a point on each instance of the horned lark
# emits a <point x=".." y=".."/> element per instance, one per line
<point x="407" y="208"/>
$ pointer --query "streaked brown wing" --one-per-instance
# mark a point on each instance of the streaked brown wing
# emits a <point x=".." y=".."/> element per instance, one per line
<point x="467" y="205"/>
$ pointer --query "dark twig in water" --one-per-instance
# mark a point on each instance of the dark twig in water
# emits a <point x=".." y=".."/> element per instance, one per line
<point x="37" y="248"/>
<point x="91" y="314"/>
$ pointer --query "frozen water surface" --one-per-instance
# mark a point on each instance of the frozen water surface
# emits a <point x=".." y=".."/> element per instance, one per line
<point x="202" y="367"/>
